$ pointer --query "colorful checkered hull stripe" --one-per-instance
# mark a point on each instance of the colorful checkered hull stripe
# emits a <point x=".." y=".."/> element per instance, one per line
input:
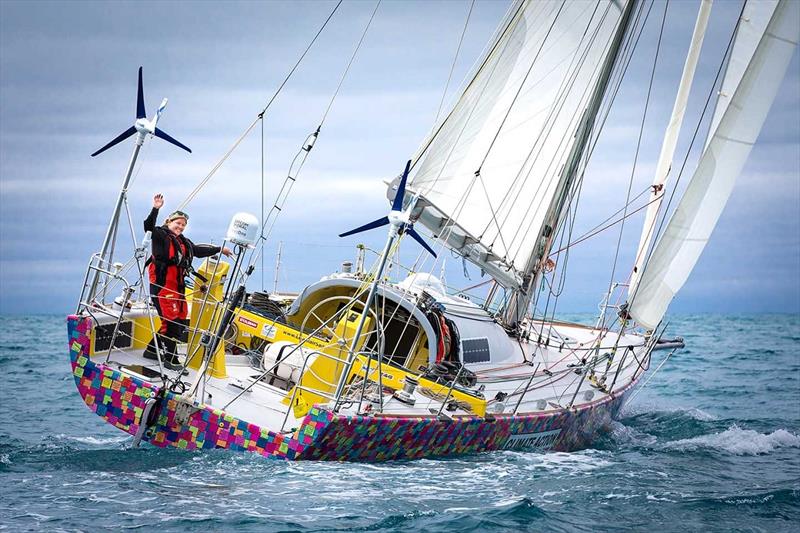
<point x="120" y="400"/>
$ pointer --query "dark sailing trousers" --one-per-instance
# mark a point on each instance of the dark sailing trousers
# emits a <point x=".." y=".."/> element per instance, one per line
<point x="168" y="340"/>
<point x="168" y="335"/>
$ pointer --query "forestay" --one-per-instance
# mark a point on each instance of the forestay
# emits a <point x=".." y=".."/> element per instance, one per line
<point x="740" y="122"/>
<point x="488" y="174"/>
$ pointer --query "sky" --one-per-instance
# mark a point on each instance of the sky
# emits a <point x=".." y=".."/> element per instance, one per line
<point x="68" y="86"/>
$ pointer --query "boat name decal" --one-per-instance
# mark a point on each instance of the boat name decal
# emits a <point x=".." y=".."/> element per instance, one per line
<point x="543" y="440"/>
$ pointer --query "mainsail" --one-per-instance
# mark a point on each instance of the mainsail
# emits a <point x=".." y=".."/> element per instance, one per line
<point x="740" y="120"/>
<point x="488" y="175"/>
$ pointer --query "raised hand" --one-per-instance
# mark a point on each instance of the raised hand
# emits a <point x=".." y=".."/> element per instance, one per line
<point x="158" y="201"/>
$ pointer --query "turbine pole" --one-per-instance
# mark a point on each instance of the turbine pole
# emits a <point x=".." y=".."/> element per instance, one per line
<point x="399" y="221"/>
<point x="112" y="225"/>
<point x="351" y="354"/>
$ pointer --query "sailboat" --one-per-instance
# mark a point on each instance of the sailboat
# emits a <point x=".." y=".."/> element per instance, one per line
<point x="378" y="363"/>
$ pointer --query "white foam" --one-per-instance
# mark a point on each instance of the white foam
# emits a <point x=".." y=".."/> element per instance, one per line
<point x="740" y="441"/>
<point x="94" y="441"/>
<point x="639" y="408"/>
<point x="574" y="463"/>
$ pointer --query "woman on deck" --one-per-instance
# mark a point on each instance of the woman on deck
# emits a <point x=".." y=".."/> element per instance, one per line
<point x="168" y="267"/>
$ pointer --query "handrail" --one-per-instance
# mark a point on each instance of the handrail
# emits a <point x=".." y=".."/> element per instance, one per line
<point x="302" y="373"/>
<point x="114" y="275"/>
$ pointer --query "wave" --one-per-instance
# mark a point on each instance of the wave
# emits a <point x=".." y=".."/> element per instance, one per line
<point x="738" y="441"/>
<point x="779" y="497"/>
<point x="511" y="514"/>
<point x="646" y="423"/>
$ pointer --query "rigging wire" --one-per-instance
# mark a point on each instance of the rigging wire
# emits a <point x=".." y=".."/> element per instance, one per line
<point x="455" y="60"/>
<point x="563" y="146"/>
<point x="305" y="150"/>
<point x="259" y="117"/>
<point x="601" y="228"/>
<point x="567" y="83"/>
<point x="262" y="201"/>
<point x="514" y="9"/>
<point x="519" y="89"/>
<point x="561" y="90"/>
<point x="422" y="253"/>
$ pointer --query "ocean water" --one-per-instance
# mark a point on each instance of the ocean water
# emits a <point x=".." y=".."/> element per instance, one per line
<point x="712" y="443"/>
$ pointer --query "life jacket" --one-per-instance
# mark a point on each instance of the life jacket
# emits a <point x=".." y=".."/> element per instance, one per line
<point x="170" y="250"/>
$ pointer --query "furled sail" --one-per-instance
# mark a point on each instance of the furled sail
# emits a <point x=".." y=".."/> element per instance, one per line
<point x="690" y="226"/>
<point x="488" y="174"/>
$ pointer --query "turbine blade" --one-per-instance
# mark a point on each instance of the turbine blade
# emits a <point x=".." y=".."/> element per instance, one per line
<point x="140" y="112"/>
<point x="161" y="134"/>
<point x="397" y="205"/>
<point x="374" y="224"/>
<point x="417" y="237"/>
<point x="118" y="139"/>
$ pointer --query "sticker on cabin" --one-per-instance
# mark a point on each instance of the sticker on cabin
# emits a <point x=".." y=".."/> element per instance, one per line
<point x="536" y="441"/>
<point x="268" y="331"/>
<point x="248" y="322"/>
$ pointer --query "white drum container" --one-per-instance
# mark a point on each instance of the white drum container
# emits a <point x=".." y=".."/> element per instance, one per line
<point x="291" y="359"/>
<point x="243" y="230"/>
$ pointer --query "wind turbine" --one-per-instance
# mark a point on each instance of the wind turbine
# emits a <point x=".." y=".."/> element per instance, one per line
<point x="399" y="219"/>
<point x="141" y="128"/>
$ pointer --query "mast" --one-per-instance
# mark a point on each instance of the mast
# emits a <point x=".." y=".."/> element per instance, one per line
<point x="670" y="142"/>
<point x="519" y="301"/>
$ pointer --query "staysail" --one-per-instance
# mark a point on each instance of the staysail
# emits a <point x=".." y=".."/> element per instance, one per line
<point x="740" y="122"/>
<point x="490" y="171"/>
<point x="753" y="23"/>
<point x="664" y="165"/>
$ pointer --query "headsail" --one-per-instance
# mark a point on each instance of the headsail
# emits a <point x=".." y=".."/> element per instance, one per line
<point x="690" y="226"/>
<point x="492" y="168"/>
<point x="664" y="165"/>
<point x="753" y="23"/>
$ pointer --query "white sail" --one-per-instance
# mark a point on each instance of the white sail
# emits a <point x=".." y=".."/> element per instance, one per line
<point x="489" y="173"/>
<point x="691" y="224"/>
<point x="752" y="24"/>
<point x="670" y="141"/>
